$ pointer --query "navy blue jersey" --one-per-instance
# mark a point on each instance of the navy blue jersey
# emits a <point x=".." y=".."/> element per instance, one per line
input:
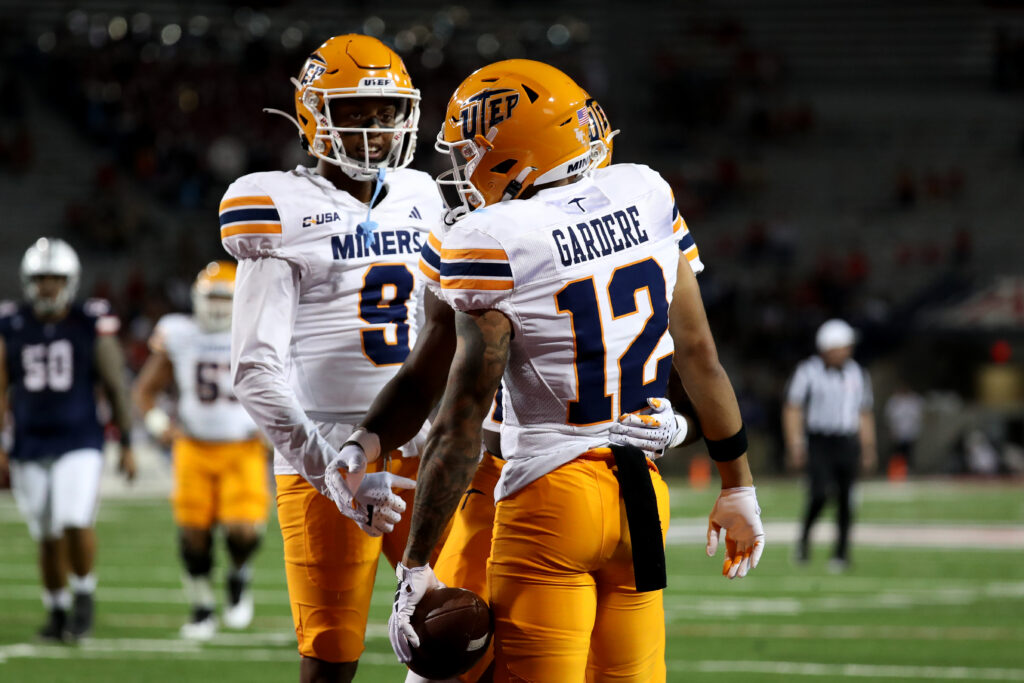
<point x="51" y="374"/>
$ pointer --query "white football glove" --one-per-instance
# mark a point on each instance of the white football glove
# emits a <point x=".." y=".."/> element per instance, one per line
<point x="378" y="508"/>
<point x="737" y="511"/>
<point x="652" y="431"/>
<point x="373" y="506"/>
<point x="413" y="584"/>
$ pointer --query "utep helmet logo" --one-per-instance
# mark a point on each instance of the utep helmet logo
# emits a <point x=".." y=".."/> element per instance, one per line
<point x="487" y="109"/>
<point x="314" y="70"/>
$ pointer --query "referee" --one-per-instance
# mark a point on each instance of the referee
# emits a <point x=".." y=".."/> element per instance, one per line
<point x="828" y="425"/>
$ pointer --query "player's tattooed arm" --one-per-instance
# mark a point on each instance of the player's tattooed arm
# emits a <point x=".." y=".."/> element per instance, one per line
<point x="405" y="402"/>
<point x="453" y="446"/>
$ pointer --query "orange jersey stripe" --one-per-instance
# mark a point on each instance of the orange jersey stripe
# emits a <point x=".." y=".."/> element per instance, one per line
<point x="474" y="254"/>
<point x="429" y="272"/>
<point x="246" y="201"/>
<point x="251" y="229"/>
<point x="467" y="283"/>
<point x="680" y="223"/>
<point x="434" y="242"/>
<point x="691" y="254"/>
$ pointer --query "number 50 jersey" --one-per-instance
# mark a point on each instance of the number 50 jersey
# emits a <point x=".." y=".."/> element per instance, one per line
<point x="357" y="301"/>
<point x="585" y="273"/>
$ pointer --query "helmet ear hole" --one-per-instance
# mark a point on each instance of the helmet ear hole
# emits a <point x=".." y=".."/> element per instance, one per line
<point x="504" y="166"/>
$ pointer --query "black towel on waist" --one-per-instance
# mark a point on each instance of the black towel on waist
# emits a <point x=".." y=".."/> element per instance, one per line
<point x="642" y="516"/>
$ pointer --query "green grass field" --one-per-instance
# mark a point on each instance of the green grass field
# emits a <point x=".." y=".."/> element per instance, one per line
<point x="936" y="593"/>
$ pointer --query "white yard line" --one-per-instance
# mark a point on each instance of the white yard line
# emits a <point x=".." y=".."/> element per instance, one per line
<point x="835" y="671"/>
<point x="848" y="632"/>
<point x="993" y="537"/>
<point x="157" y="649"/>
<point x="681" y="607"/>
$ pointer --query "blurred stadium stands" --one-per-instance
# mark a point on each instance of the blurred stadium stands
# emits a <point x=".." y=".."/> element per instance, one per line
<point x="851" y="158"/>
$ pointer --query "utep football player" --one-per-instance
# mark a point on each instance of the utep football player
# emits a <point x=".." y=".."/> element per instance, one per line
<point x="53" y="353"/>
<point x="220" y="463"/>
<point x="409" y="398"/>
<point x="324" y="316"/>
<point x="576" y="297"/>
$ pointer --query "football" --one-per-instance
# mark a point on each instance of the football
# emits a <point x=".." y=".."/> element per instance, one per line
<point x="455" y="627"/>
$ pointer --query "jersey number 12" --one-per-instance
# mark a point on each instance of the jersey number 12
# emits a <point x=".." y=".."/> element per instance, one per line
<point x="579" y="299"/>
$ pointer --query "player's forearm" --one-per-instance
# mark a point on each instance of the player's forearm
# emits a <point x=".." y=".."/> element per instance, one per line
<point x="683" y="406"/>
<point x="110" y="367"/>
<point x="708" y="384"/>
<point x="446" y="470"/>
<point x="735" y="473"/>
<point x="270" y="402"/>
<point x="453" y="446"/>
<point x="405" y="402"/>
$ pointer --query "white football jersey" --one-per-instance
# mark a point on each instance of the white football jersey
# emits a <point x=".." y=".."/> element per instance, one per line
<point x="358" y="303"/>
<point x="585" y="273"/>
<point x="207" y="407"/>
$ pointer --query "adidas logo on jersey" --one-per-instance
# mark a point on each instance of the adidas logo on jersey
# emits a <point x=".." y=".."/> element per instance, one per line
<point x="415" y="213"/>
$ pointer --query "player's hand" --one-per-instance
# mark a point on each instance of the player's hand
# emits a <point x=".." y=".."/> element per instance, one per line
<point x="737" y="511"/>
<point x="378" y="509"/>
<point x="652" y="431"/>
<point x="126" y="465"/>
<point x="345" y="473"/>
<point x="413" y="584"/>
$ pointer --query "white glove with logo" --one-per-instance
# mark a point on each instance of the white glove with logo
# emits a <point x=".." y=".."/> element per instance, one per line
<point x="373" y="506"/>
<point x="652" y="431"/>
<point x="737" y="511"/>
<point x="413" y="584"/>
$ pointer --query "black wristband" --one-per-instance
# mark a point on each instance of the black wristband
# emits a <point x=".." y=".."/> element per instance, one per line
<point x="728" y="448"/>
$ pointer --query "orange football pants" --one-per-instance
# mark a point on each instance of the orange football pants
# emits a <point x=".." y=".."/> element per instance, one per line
<point x="330" y="564"/>
<point x="561" y="581"/>
<point x="219" y="482"/>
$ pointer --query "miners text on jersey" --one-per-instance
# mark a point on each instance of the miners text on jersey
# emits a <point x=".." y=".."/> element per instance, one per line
<point x="387" y="243"/>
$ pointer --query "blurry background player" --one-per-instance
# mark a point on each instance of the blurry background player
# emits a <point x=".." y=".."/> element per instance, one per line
<point x="562" y="580"/>
<point x="829" y="426"/>
<point x="220" y="463"/>
<point x="53" y="353"/>
<point x="325" y="279"/>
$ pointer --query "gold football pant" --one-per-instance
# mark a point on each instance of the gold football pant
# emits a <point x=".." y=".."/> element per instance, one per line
<point x="331" y="563"/>
<point x="561" y="580"/>
<point x="222" y="482"/>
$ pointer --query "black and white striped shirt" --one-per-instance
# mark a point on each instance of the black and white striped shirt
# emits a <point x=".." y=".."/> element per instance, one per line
<point x="832" y="398"/>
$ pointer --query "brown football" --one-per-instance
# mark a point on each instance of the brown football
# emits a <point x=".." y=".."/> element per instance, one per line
<point x="455" y="627"/>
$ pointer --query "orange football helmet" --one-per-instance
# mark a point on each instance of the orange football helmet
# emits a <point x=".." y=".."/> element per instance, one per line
<point x="351" y="66"/>
<point x="212" y="295"/>
<point x="601" y="135"/>
<point x="511" y="125"/>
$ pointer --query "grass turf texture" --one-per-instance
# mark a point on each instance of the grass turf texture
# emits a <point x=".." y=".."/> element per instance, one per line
<point x="900" y="614"/>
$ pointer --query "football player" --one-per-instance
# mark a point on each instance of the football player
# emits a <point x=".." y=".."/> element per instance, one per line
<point x="53" y="354"/>
<point x="581" y="297"/>
<point x="411" y="395"/>
<point x="220" y="463"/>
<point x="325" y="307"/>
